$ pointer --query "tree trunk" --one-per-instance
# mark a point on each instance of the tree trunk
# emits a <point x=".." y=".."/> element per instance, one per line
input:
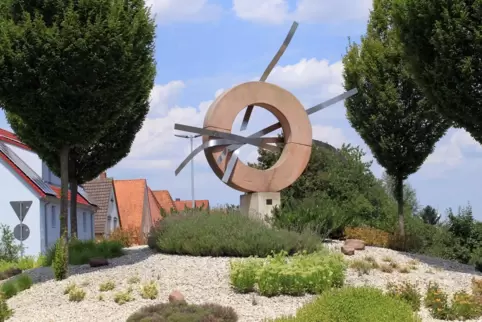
<point x="399" y="196"/>
<point x="73" y="207"/>
<point x="64" y="190"/>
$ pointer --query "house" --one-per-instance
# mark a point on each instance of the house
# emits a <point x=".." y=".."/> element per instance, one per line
<point x="138" y="207"/>
<point x="101" y="191"/>
<point x="26" y="178"/>
<point x="165" y="200"/>
<point x="187" y="204"/>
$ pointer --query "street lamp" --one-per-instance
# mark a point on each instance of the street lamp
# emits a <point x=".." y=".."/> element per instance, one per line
<point x="191" y="137"/>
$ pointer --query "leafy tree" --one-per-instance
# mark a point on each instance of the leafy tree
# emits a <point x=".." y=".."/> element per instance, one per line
<point x="85" y="164"/>
<point x="429" y="215"/>
<point x="390" y="113"/>
<point x="442" y="41"/>
<point x="341" y="184"/>
<point x="69" y="69"/>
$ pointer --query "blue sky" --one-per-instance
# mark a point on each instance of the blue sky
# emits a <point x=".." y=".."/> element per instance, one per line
<point x="206" y="46"/>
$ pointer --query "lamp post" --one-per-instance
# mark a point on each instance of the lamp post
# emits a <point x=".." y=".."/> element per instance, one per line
<point x="191" y="138"/>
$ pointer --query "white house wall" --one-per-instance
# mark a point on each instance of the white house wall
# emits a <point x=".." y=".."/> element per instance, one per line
<point x="112" y="220"/>
<point x="49" y="176"/>
<point x="16" y="189"/>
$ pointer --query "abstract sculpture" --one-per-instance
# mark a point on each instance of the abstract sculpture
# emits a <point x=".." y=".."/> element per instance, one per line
<point x="221" y="147"/>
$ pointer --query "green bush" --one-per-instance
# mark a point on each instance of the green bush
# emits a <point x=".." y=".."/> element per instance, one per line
<point x="180" y="311"/>
<point x="59" y="260"/>
<point x="219" y="234"/>
<point x="81" y="251"/>
<point x="9" y="248"/>
<point x="297" y="275"/>
<point x="354" y="304"/>
<point x="15" y="285"/>
<point x="5" y="311"/>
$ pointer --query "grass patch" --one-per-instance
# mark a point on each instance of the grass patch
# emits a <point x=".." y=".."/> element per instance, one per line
<point x="80" y="251"/>
<point x="354" y="304"/>
<point x="279" y="274"/>
<point x="363" y="266"/>
<point x="184" y="312"/>
<point x="133" y="280"/>
<point x="386" y="268"/>
<point x="149" y="291"/>
<point x="76" y="294"/>
<point x="406" y="292"/>
<point x="219" y="234"/>
<point x="123" y="297"/>
<point x="107" y="286"/>
<point x="15" y="285"/>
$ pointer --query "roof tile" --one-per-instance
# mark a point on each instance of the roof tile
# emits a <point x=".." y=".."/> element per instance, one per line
<point x="99" y="191"/>
<point x="130" y="201"/>
<point x="165" y="200"/>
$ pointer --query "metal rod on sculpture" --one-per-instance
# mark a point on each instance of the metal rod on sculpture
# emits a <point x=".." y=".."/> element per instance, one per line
<point x="240" y="139"/>
<point x="276" y="126"/>
<point x="268" y="70"/>
<point x="191" y="138"/>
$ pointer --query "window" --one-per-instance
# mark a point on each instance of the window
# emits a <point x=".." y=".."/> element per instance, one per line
<point x="84" y="221"/>
<point x="109" y="223"/>
<point x="269" y="202"/>
<point x="115" y="223"/>
<point x="53" y="217"/>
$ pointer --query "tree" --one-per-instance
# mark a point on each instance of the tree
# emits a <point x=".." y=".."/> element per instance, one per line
<point x="341" y="184"/>
<point x="390" y="113"/>
<point x="409" y="194"/>
<point x="68" y="70"/>
<point x="85" y="164"/>
<point x="429" y="215"/>
<point x="442" y="42"/>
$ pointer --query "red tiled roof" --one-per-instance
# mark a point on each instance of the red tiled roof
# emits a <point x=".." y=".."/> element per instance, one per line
<point x="130" y="201"/>
<point x="80" y="199"/>
<point x="154" y="206"/>
<point x="182" y="204"/>
<point x="165" y="200"/>
<point x="10" y="138"/>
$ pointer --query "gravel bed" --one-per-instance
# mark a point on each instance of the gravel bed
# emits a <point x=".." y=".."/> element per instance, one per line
<point x="201" y="280"/>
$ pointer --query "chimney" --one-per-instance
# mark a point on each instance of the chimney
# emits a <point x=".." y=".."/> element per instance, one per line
<point x="178" y="199"/>
<point x="103" y="175"/>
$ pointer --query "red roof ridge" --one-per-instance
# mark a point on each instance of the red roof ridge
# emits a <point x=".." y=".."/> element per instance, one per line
<point x="11" y="138"/>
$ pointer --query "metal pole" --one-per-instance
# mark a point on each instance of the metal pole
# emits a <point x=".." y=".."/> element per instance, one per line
<point x="21" y="230"/>
<point x="192" y="175"/>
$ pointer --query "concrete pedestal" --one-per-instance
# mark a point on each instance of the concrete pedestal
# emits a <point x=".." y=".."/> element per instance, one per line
<point x="259" y="205"/>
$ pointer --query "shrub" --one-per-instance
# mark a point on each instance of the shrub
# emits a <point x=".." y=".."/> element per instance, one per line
<point x="218" y="234"/>
<point x="9" y="249"/>
<point x="278" y="274"/>
<point x="69" y="288"/>
<point x="386" y="268"/>
<point x="127" y="236"/>
<point x="133" y="280"/>
<point x="107" y="286"/>
<point x="59" y="260"/>
<point x="81" y="251"/>
<point x="76" y="294"/>
<point x="406" y="292"/>
<point x="355" y="304"/>
<point x="362" y="267"/>
<point x="149" y="291"/>
<point x="123" y="297"/>
<point x="371" y="236"/>
<point x="5" y="311"/>
<point x="173" y="312"/>
<point x="16" y="285"/>
<point x="463" y="307"/>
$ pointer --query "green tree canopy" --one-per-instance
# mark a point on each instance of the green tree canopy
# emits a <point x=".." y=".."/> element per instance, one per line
<point x="429" y="215"/>
<point x="390" y="113"/>
<point x="69" y="69"/>
<point x="442" y="41"/>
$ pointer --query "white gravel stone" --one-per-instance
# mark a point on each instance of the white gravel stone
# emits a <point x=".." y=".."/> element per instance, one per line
<point x="200" y="280"/>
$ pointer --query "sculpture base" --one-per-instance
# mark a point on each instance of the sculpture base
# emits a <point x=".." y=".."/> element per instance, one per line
<point x="259" y="205"/>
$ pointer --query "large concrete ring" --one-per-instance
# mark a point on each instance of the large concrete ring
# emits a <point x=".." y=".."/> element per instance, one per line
<point x="294" y="122"/>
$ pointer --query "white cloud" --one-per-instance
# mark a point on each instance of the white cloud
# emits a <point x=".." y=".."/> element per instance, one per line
<point x="167" y="11"/>
<point x="311" y="11"/>
<point x="162" y="96"/>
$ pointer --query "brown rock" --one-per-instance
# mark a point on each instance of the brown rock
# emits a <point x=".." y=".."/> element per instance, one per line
<point x="9" y="273"/>
<point x="97" y="262"/>
<point x="176" y="296"/>
<point x="356" y="244"/>
<point x="347" y="250"/>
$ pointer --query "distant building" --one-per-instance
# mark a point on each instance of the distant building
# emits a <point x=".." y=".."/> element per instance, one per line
<point x="102" y="192"/>
<point x="187" y="204"/>
<point x="24" y="177"/>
